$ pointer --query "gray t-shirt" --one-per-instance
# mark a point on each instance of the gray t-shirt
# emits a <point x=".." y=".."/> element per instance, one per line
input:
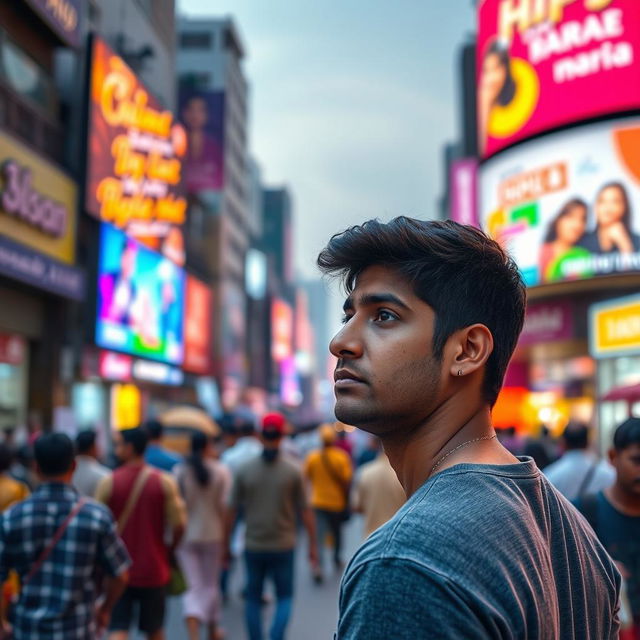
<point x="270" y="495"/>
<point x="482" y="551"/>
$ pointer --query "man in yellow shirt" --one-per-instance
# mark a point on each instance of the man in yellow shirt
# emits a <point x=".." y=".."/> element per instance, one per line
<point x="329" y="471"/>
<point x="11" y="490"/>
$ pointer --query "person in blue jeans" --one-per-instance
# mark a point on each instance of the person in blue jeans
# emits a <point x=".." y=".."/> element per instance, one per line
<point x="269" y="490"/>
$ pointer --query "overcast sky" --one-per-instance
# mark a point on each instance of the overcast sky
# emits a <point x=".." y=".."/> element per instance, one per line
<point x="351" y="102"/>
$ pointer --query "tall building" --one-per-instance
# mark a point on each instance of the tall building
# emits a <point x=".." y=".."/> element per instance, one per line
<point x="39" y="274"/>
<point x="143" y="33"/>
<point x="212" y="83"/>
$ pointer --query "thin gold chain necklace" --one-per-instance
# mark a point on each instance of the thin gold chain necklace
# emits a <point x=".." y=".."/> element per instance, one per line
<point x="464" y="444"/>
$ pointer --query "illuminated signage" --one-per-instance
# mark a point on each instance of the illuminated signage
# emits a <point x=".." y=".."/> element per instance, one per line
<point x="463" y="188"/>
<point x="63" y="16"/>
<point x="567" y="206"/>
<point x="543" y="64"/>
<point x="615" y="327"/>
<point x="126" y="406"/>
<point x="197" y="327"/>
<point x="134" y="157"/>
<point x="140" y="300"/>
<point x="281" y="331"/>
<point x="37" y="202"/>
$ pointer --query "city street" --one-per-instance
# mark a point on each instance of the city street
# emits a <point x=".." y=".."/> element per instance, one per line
<point x="315" y="607"/>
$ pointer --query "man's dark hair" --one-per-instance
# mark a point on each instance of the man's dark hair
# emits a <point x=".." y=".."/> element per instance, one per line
<point x="85" y="440"/>
<point x="137" y="437"/>
<point x="463" y="275"/>
<point x="626" y="434"/>
<point x="6" y="457"/>
<point x="154" y="428"/>
<point x="576" y="436"/>
<point x="54" y="453"/>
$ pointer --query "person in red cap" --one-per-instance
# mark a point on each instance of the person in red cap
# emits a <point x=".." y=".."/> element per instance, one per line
<point x="269" y="490"/>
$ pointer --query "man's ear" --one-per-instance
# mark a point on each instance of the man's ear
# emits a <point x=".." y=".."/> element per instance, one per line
<point x="613" y="456"/>
<point x="471" y="348"/>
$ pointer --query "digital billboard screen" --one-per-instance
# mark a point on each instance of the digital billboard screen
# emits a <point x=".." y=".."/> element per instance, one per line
<point x="542" y="65"/>
<point x="202" y="114"/>
<point x="140" y="299"/>
<point x="567" y="206"/>
<point x="197" y="327"/>
<point x="134" y="157"/>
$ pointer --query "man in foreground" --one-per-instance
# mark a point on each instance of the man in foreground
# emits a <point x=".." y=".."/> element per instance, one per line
<point x="484" y="547"/>
<point x="270" y="490"/>
<point x="614" y="513"/>
<point x="57" y="542"/>
<point x="147" y="505"/>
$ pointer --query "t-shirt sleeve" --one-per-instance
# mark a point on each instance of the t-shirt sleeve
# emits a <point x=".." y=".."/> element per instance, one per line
<point x="236" y="499"/>
<point x="395" y="598"/>
<point x="103" y="492"/>
<point x="175" y="510"/>
<point x="112" y="554"/>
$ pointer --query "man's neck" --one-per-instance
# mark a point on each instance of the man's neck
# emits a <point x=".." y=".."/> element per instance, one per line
<point x="413" y="454"/>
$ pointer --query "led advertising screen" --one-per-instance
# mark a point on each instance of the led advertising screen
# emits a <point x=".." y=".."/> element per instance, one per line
<point x="197" y="327"/>
<point x="202" y="114"/>
<point x="281" y="330"/>
<point x="134" y="157"/>
<point x="140" y="299"/>
<point x="567" y="206"/>
<point x="542" y="65"/>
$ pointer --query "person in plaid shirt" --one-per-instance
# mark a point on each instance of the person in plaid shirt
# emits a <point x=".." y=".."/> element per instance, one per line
<point x="59" y="600"/>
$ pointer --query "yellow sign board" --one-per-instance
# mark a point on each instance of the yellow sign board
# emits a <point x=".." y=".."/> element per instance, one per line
<point x="37" y="202"/>
<point x="615" y="327"/>
<point x="126" y="406"/>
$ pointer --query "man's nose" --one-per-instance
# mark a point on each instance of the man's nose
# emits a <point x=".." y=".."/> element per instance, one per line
<point x="347" y="343"/>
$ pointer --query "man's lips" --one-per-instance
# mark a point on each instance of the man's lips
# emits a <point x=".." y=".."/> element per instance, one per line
<point x="346" y="378"/>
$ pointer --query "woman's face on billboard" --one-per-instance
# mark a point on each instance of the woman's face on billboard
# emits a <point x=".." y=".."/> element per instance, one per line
<point x="494" y="74"/>
<point x="195" y="113"/>
<point x="572" y="225"/>
<point x="610" y="206"/>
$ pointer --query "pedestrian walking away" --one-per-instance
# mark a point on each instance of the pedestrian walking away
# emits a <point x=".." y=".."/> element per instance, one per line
<point x="484" y="547"/>
<point x="377" y="493"/>
<point x="89" y="472"/>
<point x="614" y="514"/>
<point x="270" y="490"/>
<point x="145" y="503"/>
<point x="579" y="471"/>
<point x="329" y="471"/>
<point x="60" y="544"/>
<point x="204" y="484"/>
<point x="156" y="454"/>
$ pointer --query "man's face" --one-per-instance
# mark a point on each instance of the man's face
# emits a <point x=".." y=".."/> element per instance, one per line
<point x="627" y="465"/>
<point x="386" y="376"/>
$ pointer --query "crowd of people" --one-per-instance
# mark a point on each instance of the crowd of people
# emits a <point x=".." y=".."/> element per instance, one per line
<point x="87" y="549"/>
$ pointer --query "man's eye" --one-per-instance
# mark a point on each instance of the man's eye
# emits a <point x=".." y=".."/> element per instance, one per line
<point x="385" y="316"/>
<point x="345" y="318"/>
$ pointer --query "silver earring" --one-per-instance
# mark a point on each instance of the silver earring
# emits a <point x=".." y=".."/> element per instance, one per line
<point x="459" y="372"/>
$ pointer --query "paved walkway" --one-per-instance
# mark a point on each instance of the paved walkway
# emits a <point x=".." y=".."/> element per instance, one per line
<point x="315" y="607"/>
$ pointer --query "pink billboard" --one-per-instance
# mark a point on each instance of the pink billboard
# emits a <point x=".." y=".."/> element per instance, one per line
<point x="463" y="189"/>
<point x="543" y="65"/>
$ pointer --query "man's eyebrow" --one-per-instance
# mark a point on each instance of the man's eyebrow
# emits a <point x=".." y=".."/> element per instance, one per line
<point x="374" y="298"/>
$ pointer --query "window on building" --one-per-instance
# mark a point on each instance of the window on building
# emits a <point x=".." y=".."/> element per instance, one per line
<point x="196" y="40"/>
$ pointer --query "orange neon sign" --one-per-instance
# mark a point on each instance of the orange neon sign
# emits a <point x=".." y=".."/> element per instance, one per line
<point x="134" y="157"/>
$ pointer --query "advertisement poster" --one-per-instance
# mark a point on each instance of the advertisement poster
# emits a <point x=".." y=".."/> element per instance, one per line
<point x="202" y="115"/>
<point x="463" y="187"/>
<point x="542" y="65"/>
<point x="140" y="300"/>
<point x="134" y="157"/>
<point x="197" y="327"/>
<point x="281" y="330"/>
<point x="567" y="206"/>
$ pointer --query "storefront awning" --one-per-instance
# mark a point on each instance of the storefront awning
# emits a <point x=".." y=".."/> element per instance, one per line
<point x="629" y="393"/>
